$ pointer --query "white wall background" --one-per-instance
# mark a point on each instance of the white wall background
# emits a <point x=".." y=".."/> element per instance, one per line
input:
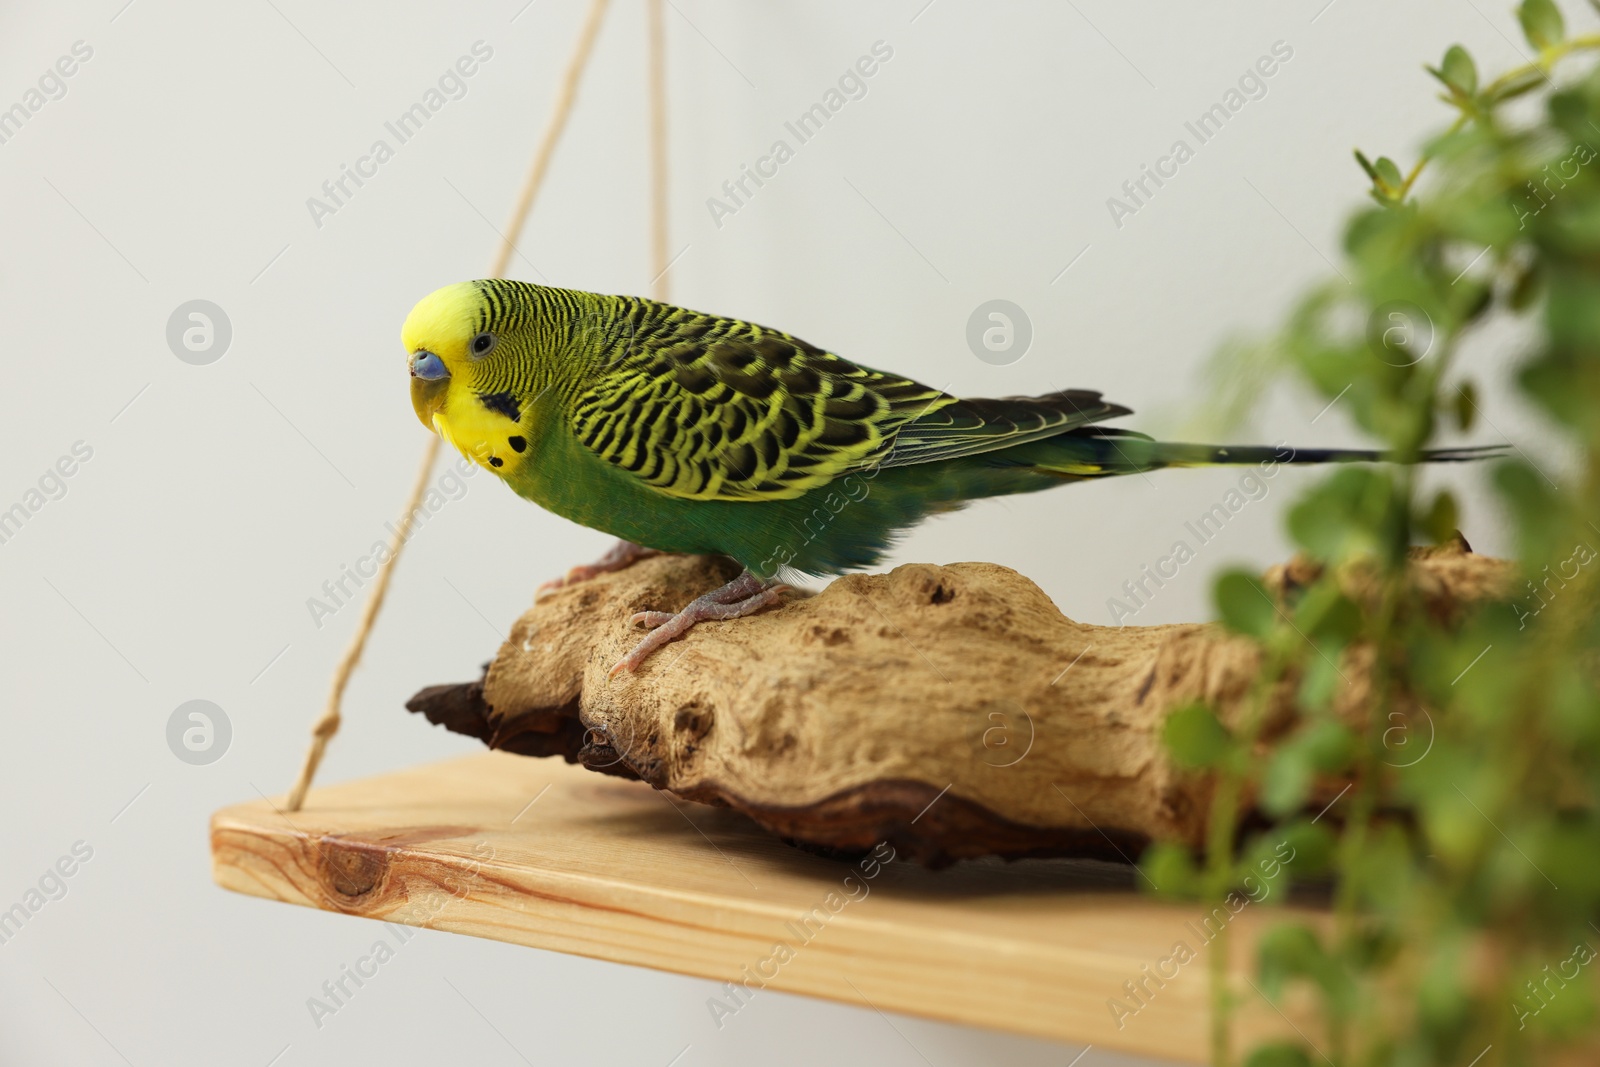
<point x="219" y="498"/>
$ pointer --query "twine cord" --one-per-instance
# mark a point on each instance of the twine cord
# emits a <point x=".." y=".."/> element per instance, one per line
<point x="566" y="96"/>
<point x="658" y="149"/>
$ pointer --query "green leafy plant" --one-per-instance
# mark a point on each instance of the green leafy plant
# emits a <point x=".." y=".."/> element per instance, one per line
<point x="1464" y="927"/>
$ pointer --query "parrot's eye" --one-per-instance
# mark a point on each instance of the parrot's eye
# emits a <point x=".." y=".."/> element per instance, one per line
<point x="427" y="366"/>
<point x="482" y="345"/>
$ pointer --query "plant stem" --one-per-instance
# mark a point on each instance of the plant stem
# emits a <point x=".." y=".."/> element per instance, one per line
<point x="1491" y="95"/>
<point x="1220" y="843"/>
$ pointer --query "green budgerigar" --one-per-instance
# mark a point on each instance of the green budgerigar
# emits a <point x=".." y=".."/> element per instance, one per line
<point x="678" y="431"/>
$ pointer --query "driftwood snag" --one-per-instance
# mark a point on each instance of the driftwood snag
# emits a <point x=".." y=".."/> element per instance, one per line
<point x="952" y="711"/>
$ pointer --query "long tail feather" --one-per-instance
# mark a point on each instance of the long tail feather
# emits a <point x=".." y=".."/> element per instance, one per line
<point x="1095" y="452"/>
<point x="1176" y="454"/>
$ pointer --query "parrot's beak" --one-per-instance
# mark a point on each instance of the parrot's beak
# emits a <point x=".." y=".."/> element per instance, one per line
<point x="427" y="399"/>
<point x="430" y="382"/>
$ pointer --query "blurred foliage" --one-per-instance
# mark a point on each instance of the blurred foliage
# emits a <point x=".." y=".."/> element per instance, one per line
<point x="1462" y="933"/>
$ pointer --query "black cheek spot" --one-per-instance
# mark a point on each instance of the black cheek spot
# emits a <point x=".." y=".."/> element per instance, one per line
<point x="517" y="444"/>
<point x="503" y="404"/>
<point x="496" y="461"/>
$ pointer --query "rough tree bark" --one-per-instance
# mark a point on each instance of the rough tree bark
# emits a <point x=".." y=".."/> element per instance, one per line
<point x="953" y="711"/>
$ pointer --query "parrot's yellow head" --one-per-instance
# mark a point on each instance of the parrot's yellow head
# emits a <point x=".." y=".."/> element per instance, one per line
<point x="471" y="381"/>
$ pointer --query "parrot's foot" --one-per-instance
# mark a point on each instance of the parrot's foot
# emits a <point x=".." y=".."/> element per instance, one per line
<point x="622" y="555"/>
<point x="745" y="595"/>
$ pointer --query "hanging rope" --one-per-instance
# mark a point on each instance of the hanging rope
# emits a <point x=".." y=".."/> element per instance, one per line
<point x="328" y="725"/>
<point x="659" y="286"/>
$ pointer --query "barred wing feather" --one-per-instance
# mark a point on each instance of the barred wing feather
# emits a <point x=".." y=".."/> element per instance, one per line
<point x="706" y="408"/>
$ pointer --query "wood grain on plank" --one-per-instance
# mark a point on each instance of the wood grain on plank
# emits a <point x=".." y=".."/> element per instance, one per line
<point x="540" y="853"/>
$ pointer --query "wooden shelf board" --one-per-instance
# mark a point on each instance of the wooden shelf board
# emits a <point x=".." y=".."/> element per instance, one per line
<point x="542" y="854"/>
